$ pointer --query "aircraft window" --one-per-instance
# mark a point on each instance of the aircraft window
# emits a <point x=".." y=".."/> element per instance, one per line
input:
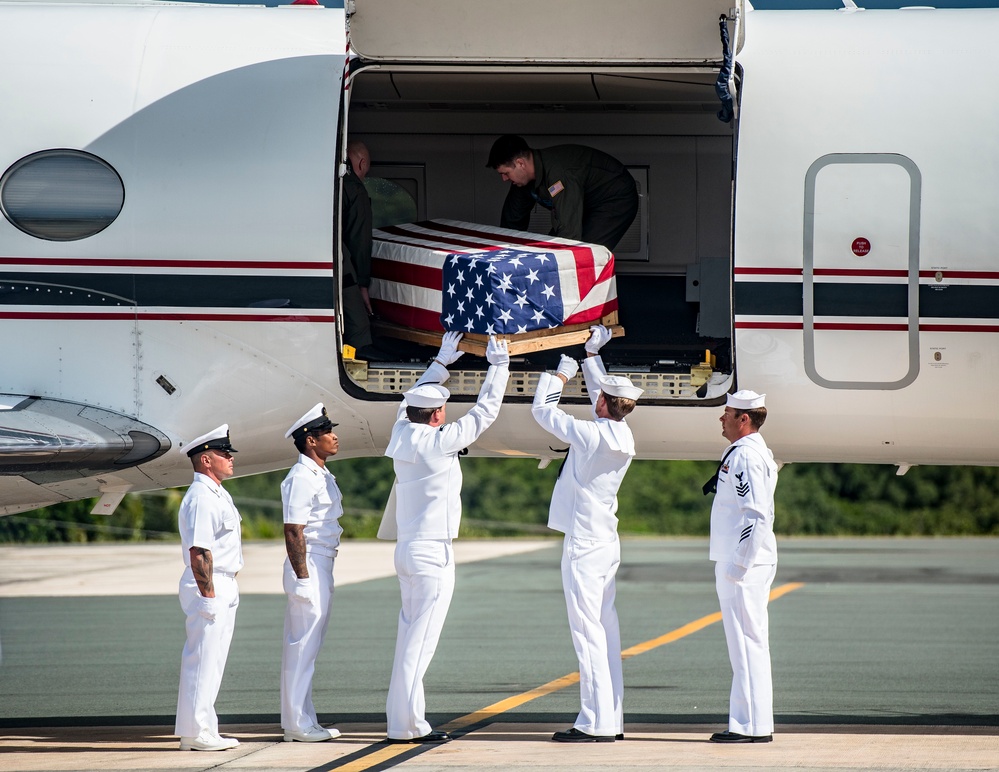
<point x="61" y="195"/>
<point x="392" y="201"/>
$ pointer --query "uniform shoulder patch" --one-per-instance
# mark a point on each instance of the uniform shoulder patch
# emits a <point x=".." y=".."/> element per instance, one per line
<point x="555" y="189"/>
<point x="741" y="485"/>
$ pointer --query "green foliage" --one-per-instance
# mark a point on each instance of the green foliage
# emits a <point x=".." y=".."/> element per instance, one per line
<point x="510" y="497"/>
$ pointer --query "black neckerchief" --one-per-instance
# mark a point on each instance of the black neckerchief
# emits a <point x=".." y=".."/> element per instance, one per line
<point x="711" y="486"/>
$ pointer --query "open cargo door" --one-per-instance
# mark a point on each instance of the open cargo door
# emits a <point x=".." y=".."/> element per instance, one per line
<point x="552" y="32"/>
<point x="435" y="82"/>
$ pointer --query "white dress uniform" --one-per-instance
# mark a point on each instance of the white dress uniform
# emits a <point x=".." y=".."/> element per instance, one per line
<point x="584" y="507"/>
<point x="428" y="513"/>
<point x="207" y="519"/>
<point x="742" y="519"/>
<point x="310" y="497"/>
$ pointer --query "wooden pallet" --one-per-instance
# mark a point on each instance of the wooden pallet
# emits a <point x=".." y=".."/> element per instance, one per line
<point x="519" y="343"/>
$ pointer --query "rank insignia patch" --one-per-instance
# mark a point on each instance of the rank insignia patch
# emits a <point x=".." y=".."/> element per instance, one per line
<point x="742" y="486"/>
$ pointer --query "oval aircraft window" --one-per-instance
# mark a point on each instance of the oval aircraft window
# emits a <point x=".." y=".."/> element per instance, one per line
<point x="61" y="195"/>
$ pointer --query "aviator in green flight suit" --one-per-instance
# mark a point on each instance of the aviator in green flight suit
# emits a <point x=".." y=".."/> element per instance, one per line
<point x="591" y="195"/>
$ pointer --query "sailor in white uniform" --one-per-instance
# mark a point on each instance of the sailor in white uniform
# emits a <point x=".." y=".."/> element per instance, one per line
<point x="583" y="507"/>
<point x="745" y="553"/>
<point x="211" y="544"/>
<point x="312" y="507"/>
<point x="425" y="453"/>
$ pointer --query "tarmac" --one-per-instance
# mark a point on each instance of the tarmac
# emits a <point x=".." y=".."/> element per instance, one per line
<point x="884" y="657"/>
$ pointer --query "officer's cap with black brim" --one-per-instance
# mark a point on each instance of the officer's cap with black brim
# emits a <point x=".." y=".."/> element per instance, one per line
<point x="216" y="439"/>
<point x="316" y="420"/>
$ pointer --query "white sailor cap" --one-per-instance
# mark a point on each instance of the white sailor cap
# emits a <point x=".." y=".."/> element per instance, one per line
<point x="619" y="386"/>
<point x="745" y="400"/>
<point x="317" y="419"/>
<point x="216" y="439"/>
<point x="427" y="395"/>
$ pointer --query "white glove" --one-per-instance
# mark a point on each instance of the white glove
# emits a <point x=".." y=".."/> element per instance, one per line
<point x="302" y="589"/>
<point x="599" y="336"/>
<point x="207" y="608"/>
<point x="735" y="573"/>
<point x="568" y="367"/>
<point x="449" y="348"/>
<point x="497" y="351"/>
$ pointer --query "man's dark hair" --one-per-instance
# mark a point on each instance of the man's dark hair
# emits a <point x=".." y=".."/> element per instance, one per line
<point x="756" y="416"/>
<point x="618" y="407"/>
<point x="420" y="415"/>
<point x="506" y="149"/>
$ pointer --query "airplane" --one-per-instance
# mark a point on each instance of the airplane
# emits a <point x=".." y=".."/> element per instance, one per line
<point x="169" y="249"/>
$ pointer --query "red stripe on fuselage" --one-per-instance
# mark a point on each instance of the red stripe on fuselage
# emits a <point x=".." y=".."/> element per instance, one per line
<point x="100" y="262"/>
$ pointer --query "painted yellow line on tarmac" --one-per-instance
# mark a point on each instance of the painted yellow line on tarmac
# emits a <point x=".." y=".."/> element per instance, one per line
<point x="389" y="752"/>
<point x="513" y="702"/>
<point x="373" y="759"/>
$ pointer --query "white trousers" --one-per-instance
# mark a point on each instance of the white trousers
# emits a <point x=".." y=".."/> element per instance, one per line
<point x="205" y="652"/>
<point x="426" y="579"/>
<point x="747" y="632"/>
<point x="588" y="580"/>
<point x="305" y="625"/>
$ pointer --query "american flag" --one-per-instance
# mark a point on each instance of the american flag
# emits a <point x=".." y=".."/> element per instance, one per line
<point x="450" y="275"/>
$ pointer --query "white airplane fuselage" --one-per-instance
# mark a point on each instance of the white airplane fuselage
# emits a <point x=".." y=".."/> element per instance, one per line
<point x="860" y="219"/>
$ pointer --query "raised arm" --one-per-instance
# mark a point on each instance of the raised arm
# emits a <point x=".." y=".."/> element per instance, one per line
<point x="467" y="429"/>
<point x="550" y="416"/>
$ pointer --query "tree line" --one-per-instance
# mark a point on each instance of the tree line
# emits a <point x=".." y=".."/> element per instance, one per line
<point x="509" y="497"/>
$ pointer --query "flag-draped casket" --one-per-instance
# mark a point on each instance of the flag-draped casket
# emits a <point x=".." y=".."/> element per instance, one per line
<point x="450" y="275"/>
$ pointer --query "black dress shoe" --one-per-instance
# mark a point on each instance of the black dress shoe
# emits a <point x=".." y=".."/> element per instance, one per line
<point x="575" y="736"/>
<point x="436" y="736"/>
<point x="619" y="736"/>
<point x="735" y="737"/>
